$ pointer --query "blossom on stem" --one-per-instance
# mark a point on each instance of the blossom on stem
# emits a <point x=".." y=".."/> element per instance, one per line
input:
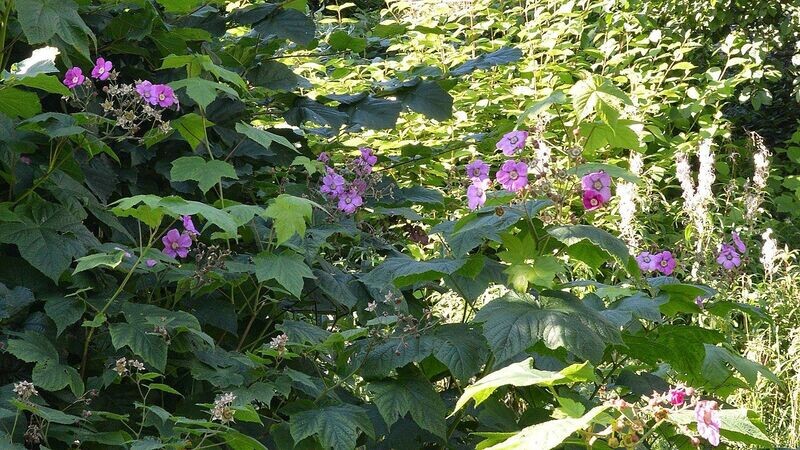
<point x="512" y="142"/>
<point x="74" y="77"/>
<point x="648" y="262"/>
<point x="332" y="184"/>
<point x="163" y="95"/>
<point x="666" y="264"/>
<point x="145" y="89"/>
<point x="349" y="201"/>
<point x="101" y="69"/>
<point x="477" y="170"/>
<point x="707" y="416"/>
<point x="737" y="241"/>
<point x="189" y="226"/>
<point x="513" y="175"/>
<point x="476" y="193"/>
<point x="677" y="395"/>
<point x="176" y="244"/>
<point x="598" y="181"/>
<point x="728" y="257"/>
<point x="592" y="199"/>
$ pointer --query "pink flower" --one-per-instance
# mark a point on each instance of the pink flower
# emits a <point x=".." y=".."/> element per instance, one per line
<point x="677" y="395"/>
<point x="349" y="201"/>
<point x="476" y="193"/>
<point x="728" y="257"/>
<point x="737" y="241"/>
<point x="163" y="96"/>
<point x="666" y="263"/>
<point x="189" y="226"/>
<point x="332" y="184"/>
<point x="150" y="262"/>
<point x="323" y="157"/>
<point x="102" y="69"/>
<point x="25" y="159"/>
<point x="368" y="156"/>
<point x="145" y="89"/>
<point x="648" y="262"/>
<point x="699" y="301"/>
<point x="598" y="181"/>
<point x="512" y="142"/>
<point x="708" y="420"/>
<point x="592" y="199"/>
<point x="513" y="175"/>
<point x="74" y="77"/>
<point x="477" y="170"/>
<point x="176" y="244"/>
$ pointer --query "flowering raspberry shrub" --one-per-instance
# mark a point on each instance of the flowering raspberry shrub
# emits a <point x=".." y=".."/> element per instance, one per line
<point x="255" y="225"/>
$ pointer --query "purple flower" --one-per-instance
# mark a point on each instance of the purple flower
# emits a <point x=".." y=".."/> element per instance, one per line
<point x="648" y="262"/>
<point x="513" y="175"/>
<point x="705" y="412"/>
<point x="477" y="170"/>
<point x="699" y="301"/>
<point x="737" y="241"/>
<point x="145" y="89"/>
<point x="728" y="257"/>
<point x="368" y="156"/>
<point x="323" y="157"/>
<point x="163" y="95"/>
<point x="74" y="77"/>
<point x="666" y="263"/>
<point x="189" y="226"/>
<point x="512" y="142"/>
<point x="476" y="193"/>
<point x="592" y="199"/>
<point x="102" y="69"/>
<point x="150" y="262"/>
<point x="332" y="184"/>
<point x="677" y="395"/>
<point x="176" y="244"/>
<point x="349" y="201"/>
<point x="598" y="181"/>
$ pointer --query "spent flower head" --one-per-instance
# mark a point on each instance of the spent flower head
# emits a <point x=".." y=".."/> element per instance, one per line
<point x="24" y="390"/>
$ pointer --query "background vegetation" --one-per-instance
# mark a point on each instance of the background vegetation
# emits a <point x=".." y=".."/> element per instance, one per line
<point x="298" y="320"/>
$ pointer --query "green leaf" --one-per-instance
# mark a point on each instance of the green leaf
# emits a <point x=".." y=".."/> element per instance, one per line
<point x="515" y="322"/>
<point x="716" y="371"/>
<point x="737" y="425"/>
<point x="48" y="414"/>
<point x="572" y="234"/>
<point x="64" y="311"/>
<point x="336" y="427"/>
<point x="47" y="83"/>
<point x="18" y="103"/>
<point x="192" y="128"/>
<point x="340" y="41"/>
<point x="206" y="173"/>
<point x="540" y="272"/>
<point x="180" y="6"/>
<point x="410" y="394"/>
<point x="503" y="56"/>
<point x="287" y="268"/>
<point x="402" y="271"/>
<point x="52" y="376"/>
<point x="533" y="111"/>
<point x="262" y="137"/>
<point x="48" y="237"/>
<point x="587" y="94"/>
<point x="41" y="20"/>
<point x="142" y="342"/>
<point x="14" y="301"/>
<point x="523" y="374"/>
<point x="151" y="208"/>
<point x="89" y="262"/>
<point x="550" y="434"/>
<point x="303" y="332"/>
<point x="32" y="347"/>
<point x="289" y="24"/>
<point x="203" y="91"/>
<point x="289" y="215"/>
<point x="430" y="99"/>
<point x="613" y="171"/>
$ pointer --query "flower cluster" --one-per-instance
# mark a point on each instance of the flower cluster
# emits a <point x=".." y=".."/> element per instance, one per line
<point x="730" y="255"/>
<point x="25" y="390"/>
<point x="662" y="262"/>
<point x="349" y="195"/>
<point x="177" y="244"/>
<point x="123" y="366"/>
<point x="222" y="410"/>
<point x="132" y="106"/>
<point x="596" y="189"/>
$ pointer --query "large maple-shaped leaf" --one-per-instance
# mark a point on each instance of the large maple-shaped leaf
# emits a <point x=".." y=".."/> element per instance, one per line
<point x="48" y="237"/>
<point x="206" y="173"/>
<point x="40" y="20"/>
<point x="289" y="215"/>
<point x="457" y="346"/>
<point x="515" y="321"/>
<point x="550" y="434"/>
<point x="287" y="268"/>
<point x="410" y="393"/>
<point x="336" y="427"/>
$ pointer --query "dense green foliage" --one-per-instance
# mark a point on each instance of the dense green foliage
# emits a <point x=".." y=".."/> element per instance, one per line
<point x="289" y="319"/>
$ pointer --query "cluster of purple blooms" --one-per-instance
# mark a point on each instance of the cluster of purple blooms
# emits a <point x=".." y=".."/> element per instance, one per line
<point x="512" y="176"/>
<point x="730" y="255"/>
<point x="349" y="195"/>
<point x="596" y="189"/>
<point x="177" y="244"/>
<point x="662" y="262"/>
<point x="74" y="77"/>
<point x="154" y="94"/>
